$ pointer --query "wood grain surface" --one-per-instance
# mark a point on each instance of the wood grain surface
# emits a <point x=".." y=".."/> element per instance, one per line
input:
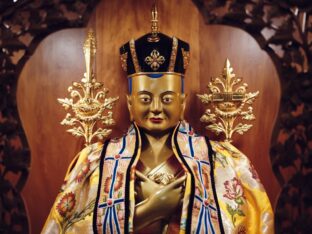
<point x="58" y="61"/>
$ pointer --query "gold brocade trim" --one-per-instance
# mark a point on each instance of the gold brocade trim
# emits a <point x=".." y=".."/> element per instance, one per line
<point x="186" y="58"/>
<point x="134" y="56"/>
<point x="154" y="60"/>
<point x="123" y="59"/>
<point x="173" y="54"/>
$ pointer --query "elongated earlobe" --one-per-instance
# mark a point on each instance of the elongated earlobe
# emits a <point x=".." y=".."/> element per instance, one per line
<point x="182" y="98"/>
<point x="129" y="104"/>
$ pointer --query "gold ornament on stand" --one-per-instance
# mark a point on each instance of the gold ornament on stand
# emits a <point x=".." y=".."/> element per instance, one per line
<point x="229" y="101"/>
<point x="89" y="102"/>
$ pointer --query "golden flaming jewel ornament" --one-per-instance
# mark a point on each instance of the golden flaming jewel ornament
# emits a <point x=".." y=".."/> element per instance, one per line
<point x="89" y="103"/>
<point x="229" y="102"/>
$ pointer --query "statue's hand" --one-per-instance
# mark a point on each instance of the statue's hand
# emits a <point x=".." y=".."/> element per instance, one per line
<point x="160" y="204"/>
<point x="145" y="187"/>
<point x="164" y="202"/>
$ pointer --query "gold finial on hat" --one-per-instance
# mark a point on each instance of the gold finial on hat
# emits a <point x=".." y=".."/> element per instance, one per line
<point x="155" y="30"/>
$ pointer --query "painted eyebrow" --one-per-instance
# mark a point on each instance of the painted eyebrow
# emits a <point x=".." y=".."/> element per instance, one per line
<point x="167" y="92"/>
<point x="145" y="92"/>
<point x="151" y="94"/>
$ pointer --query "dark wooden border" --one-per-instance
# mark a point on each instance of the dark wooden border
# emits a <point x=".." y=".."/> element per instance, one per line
<point x="20" y="20"/>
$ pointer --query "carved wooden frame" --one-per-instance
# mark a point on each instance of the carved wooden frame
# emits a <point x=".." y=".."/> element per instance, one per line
<point x="23" y="25"/>
<point x="282" y="29"/>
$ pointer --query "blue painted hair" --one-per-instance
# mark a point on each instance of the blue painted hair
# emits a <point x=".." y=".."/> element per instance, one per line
<point x="153" y="76"/>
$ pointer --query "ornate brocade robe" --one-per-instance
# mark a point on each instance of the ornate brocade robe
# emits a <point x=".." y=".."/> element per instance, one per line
<point x="223" y="193"/>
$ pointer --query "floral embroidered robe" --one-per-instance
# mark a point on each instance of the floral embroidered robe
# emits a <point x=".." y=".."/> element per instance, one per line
<point x="223" y="193"/>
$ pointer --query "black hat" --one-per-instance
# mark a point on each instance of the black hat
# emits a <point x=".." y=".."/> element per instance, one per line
<point x="155" y="53"/>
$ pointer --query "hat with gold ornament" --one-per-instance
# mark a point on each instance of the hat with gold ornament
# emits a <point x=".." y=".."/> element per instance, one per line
<point x="155" y="53"/>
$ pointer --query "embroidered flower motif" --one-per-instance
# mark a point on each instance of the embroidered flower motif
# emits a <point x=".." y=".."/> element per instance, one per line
<point x="241" y="230"/>
<point x="117" y="185"/>
<point x="63" y="186"/>
<point x="83" y="171"/>
<point x="234" y="191"/>
<point x="253" y="172"/>
<point x="154" y="60"/>
<point x="205" y="177"/>
<point x="66" y="204"/>
<point x="120" y="215"/>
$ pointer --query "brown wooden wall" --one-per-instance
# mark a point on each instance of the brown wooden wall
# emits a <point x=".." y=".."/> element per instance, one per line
<point x="59" y="60"/>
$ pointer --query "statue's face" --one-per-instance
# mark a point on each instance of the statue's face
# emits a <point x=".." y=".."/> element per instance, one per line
<point x="156" y="104"/>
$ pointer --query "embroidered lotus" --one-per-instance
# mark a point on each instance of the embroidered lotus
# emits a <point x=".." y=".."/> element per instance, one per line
<point x="203" y="178"/>
<point x="117" y="184"/>
<point x="66" y="204"/>
<point x="83" y="171"/>
<point x="234" y="191"/>
<point x="241" y="230"/>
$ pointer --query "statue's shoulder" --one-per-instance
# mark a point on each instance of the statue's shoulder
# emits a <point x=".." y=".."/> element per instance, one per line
<point x="90" y="155"/>
<point x="226" y="149"/>
<point x="186" y="131"/>
<point x="126" y="144"/>
<point x="227" y="155"/>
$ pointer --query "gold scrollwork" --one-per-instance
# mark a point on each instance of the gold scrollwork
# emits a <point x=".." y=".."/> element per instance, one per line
<point x="173" y="54"/>
<point x="123" y="59"/>
<point x="88" y="103"/>
<point x="134" y="56"/>
<point x="186" y="58"/>
<point x="228" y="103"/>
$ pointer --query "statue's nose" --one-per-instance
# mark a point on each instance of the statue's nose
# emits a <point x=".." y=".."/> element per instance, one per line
<point x="156" y="106"/>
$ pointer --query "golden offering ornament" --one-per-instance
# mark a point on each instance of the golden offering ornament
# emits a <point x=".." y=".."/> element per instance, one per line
<point x="228" y="102"/>
<point x="89" y="102"/>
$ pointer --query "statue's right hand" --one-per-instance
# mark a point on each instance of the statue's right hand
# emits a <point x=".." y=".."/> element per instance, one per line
<point x="165" y="201"/>
<point x="145" y="187"/>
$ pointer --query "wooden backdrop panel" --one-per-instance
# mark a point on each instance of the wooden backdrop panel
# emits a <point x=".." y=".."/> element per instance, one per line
<point x="257" y="70"/>
<point x="59" y="60"/>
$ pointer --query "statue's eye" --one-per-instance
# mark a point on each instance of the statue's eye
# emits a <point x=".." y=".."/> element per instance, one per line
<point x="145" y="99"/>
<point x="167" y="99"/>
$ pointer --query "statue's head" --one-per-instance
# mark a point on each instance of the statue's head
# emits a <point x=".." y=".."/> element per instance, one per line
<point x="156" y="104"/>
<point x="155" y="65"/>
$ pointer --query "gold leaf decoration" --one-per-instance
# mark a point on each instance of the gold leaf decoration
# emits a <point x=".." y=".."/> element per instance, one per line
<point x="89" y="103"/>
<point x="228" y="103"/>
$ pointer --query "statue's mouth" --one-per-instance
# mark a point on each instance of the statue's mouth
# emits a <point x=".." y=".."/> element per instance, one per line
<point x="156" y="120"/>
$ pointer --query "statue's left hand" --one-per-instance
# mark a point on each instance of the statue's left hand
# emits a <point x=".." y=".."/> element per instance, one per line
<point x="145" y="187"/>
<point x="161" y="203"/>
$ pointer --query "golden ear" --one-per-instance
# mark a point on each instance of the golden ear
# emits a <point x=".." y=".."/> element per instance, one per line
<point x="182" y="100"/>
<point x="129" y="104"/>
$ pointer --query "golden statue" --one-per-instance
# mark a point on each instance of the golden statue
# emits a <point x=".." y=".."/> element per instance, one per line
<point x="160" y="177"/>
